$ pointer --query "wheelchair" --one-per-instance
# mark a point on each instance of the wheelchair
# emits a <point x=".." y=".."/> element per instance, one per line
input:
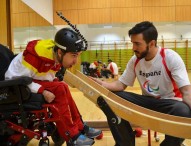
<point x="24" y="115"/>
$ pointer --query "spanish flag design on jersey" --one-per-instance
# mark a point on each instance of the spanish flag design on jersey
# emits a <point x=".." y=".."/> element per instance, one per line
<point x="38" y="57"/>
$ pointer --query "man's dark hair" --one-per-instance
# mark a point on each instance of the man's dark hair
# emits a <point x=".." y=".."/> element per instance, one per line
<point x="148" y="30"/>
<point x="109" y="60"/>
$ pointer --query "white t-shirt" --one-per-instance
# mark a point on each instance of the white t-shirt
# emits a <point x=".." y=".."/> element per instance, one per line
<point x="112" y="66"/>
<point x="153" y="77"/>
<point x="93" y="66"/>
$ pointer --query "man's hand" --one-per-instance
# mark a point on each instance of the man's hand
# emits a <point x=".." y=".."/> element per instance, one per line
<point x="48" y="96"/>
<point x="112" y="86"/>
<point x="96" y="80"/>
<point x="186" y="92"/>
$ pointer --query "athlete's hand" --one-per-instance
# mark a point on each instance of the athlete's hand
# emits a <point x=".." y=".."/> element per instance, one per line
<point x="96" y="80"/>
<point x="48" y="96"/>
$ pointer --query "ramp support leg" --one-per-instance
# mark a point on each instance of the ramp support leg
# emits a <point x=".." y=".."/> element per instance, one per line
<point x="121" y="130"/>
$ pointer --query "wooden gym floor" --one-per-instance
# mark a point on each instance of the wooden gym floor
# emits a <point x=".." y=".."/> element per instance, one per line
<point x="90" y="112"/>
<point x="108" y="140"/>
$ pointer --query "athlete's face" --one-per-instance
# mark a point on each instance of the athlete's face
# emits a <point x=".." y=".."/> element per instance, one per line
<point x="69" y="59"/>
<point x="140" y="47"/>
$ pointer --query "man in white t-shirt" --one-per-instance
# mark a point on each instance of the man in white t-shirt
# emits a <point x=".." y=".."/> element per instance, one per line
<point x="161" y="74"/>
<point x="112" y="67"/>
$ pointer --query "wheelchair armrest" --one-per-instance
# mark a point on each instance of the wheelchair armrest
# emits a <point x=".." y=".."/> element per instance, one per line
<point x="16" y="81"/>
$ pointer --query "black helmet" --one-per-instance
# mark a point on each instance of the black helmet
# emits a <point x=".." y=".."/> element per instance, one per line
<point x="67" y="39"/>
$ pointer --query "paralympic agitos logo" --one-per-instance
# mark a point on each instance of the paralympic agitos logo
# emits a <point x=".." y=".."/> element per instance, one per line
<point x="147" y="86"/>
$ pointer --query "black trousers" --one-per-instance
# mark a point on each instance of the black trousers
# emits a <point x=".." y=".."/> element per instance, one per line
<point x="105" y="73"/>
<point x="168" y="106"/>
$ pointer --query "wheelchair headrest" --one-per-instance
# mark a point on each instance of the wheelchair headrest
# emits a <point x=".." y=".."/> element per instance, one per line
<point x="6" y="57"/>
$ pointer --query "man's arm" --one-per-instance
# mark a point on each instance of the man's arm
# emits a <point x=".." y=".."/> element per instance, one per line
<point x="186" y="93"/>
<point x="112" y="86"/>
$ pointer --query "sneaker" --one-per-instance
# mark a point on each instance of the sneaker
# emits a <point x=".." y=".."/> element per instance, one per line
<point x="91" y="132"/>
<point x="82" y="140"/>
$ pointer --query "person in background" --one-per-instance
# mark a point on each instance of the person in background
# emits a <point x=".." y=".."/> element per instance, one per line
<point x="41" y="60"/>
<point x="113" y="68"/>
<point x="162" y="76"/>
<point x="85" y="68"/>
<point x="94" y="69"/>
<point x="104" y="71"/>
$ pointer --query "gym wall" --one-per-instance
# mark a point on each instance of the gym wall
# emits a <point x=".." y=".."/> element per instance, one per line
<point x="106" y="12"/>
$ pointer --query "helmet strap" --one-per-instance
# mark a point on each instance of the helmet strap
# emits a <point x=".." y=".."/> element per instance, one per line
<point x="62" y="56"/>
<point x="60" y="59"/>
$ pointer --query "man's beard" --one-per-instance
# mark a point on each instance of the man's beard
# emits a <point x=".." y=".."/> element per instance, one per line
<point x="143" y="54"/>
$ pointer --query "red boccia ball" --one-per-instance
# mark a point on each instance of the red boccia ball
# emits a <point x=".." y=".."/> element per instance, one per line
<point x="139" y="132"/>
<point x="100" y="136"/>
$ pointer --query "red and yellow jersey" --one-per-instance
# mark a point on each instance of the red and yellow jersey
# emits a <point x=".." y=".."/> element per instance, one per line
<point x="37" y="61"/>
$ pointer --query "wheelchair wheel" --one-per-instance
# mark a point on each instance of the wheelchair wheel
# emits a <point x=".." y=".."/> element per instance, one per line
<point x="4" y="140"/>
<point x="43" y="143"/>
<point x="57" y="139"/>
<point x="24" y="140"/>
<point x="69" y="144"/>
